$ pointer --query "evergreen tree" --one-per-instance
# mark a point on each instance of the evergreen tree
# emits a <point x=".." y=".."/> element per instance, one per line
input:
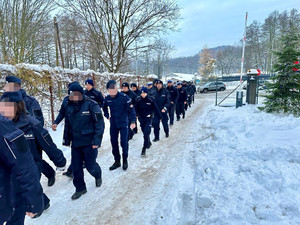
<point x="284" y="95"/>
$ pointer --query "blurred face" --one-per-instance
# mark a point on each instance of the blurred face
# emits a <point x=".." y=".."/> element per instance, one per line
<point x="125" y="89"/>
<point x="88" y="87"/>
<point x="159" y="86"/>
<point x="8" y="109"/>
<point x="144" y="95"/>
<point x="149" y="86"/>
<point x="179" y="86"/>
<point x="133" y="88"/>
<point x="75" y="96"/>
<point x="169" y="84"/>
<point x="113" y="91"/>
<point x="12" y="87"/>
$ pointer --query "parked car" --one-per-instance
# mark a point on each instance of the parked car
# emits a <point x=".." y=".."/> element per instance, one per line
<point x="211" y="86"/>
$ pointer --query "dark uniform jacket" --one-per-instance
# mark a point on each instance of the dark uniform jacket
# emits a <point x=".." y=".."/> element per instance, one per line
<point x="145" y="107"/>
<point x="95" y="95"/>
<point x="39" y="140"/>
<point x="84" y="124"/>
<point x="131" y="95"/>
<point x="121" y="110"/>
<point x="182" y="97"/>
<point x="138" y="92"/>
<point x="173" y="94"/>
<point x="18" y="173"/>
<point x="162" y="98"/>
<point x="33" y="107"/>
<point x="62" y="111"/>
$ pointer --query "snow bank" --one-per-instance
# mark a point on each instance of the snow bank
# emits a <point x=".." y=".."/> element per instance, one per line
<point x="249" y="167"/>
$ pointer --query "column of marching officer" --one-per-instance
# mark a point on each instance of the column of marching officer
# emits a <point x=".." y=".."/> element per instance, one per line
<point x="23" y="138"/>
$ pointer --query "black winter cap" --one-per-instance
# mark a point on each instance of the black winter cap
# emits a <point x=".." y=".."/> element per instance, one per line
<point x="111" y="84"/>
<point x="75" y="87"/>
<point x="13" y="79"/>
<point x="11" y="96"/>
<point x="125" y="84"/>
<point x="133" y="85"/>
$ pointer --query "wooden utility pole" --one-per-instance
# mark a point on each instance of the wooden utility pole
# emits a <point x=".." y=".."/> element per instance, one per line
<point x="58" y="42"/>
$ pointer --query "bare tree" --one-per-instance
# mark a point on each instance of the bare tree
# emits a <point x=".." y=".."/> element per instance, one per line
<point x="206" y="63"/>
<point x="21" y="23"/>
<point x="114" y="26"/>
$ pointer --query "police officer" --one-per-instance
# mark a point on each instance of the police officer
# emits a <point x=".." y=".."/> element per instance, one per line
<point x="121" y="114"/>
<point x="84" y="127"/>
<point x="152" y="88"/>
<point x="181" y="102"/>
<point x="145" y="108"/>
<point x="92" y="93"/>
<point x="191" y="92"/>
<point x="173" y="98"/>
<point x="132" y="96"/>
<point x="18" y="173"/>
<point x="33" y="107"/>
<point x="162" y="99"/>
<point x="186" y="88"/>
<point x="38" y="139"/>
<point x="59" y="118"/>
<point x="135" y="89"/>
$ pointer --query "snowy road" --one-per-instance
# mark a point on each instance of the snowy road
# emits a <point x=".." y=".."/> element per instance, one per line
<point x="157" y="189"/>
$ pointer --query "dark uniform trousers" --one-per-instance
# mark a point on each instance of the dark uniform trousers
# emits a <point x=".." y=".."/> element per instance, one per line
<point x="156" y="124"/>
<point x="88" y="155"/>
<point x="114" y="139"/>
<point x="171" y="111"/>
<point x="146" y="124"/>
<point x="180" y="109"/>
<point x="47" y="170"/>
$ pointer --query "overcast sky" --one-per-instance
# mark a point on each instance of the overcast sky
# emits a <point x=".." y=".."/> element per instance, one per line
<point x="219" y="22"/>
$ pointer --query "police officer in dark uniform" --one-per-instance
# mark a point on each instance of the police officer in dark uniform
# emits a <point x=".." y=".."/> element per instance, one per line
<point x="135" y="89"/>
<point x="145" y="108"/>
<point x="132" y="96"/>
<point x="92" y="93"/>
<point x="185" y="87"/>
<point x="152" y="89"/>
<point x="18" y="173"/>
<point x="38" y="139"/>
<point x="121" y="114"/>
<point x="59" y="118"/>
<point x="84" y="127"/>
<point x="181" y="102"/>
<point x="162" y="99"/>
<point x="191" y="92"/>
<point x="34" y="109"/>
<point x="173" y="98"/>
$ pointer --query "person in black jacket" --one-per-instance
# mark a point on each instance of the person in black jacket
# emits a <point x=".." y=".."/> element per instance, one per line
<point x="162" y="99"/>
<point x="187" y="90"/>
<point x="181" y="102"/>
<point x="19" y="177"/>
<point x="145" y="108"/>
<point x="38" y="139"/>
<point x="59" y="118"/>
<point x="84" y="127"/>
<point x="121" y="114"/>
<point x="132" y="96"/>
<point x="173" y="100"/>
<point x="92" y="93"/>
<point x="34" y="109"/>
<point x="135" y="89"/>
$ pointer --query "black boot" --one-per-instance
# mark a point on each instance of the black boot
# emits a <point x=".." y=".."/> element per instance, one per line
<point x="68" y="174"/>
<point x="125" y="164"/>
<point x="78" y="194"/>
<point x="51" y="181"/>
<point x="41" y="212"/>
<point x="155" y="140"/>
<point x="178" y="119"/>
<point x="143" y="151"/>
<point x="116" y="165"/>
<point x="167" y="135"/>
<point x="98" y="182"/>
<point x="149" y="145"/>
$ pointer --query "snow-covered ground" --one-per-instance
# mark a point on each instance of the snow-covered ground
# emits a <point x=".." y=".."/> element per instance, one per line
<point x="219" y="166"/>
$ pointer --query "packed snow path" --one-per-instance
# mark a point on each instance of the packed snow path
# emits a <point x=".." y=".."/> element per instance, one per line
<point x="156" y="189"/>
